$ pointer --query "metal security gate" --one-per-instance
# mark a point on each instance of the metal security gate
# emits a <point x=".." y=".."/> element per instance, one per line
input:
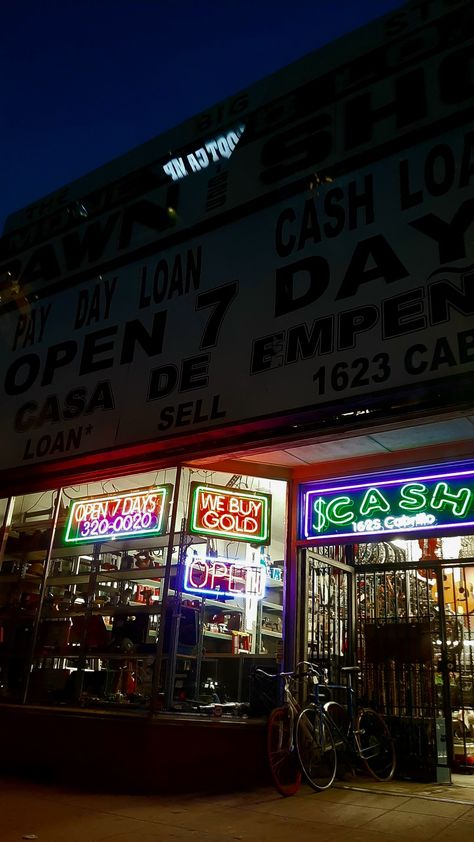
<point x="404" y="611"/>
<point x="330" y="609"/>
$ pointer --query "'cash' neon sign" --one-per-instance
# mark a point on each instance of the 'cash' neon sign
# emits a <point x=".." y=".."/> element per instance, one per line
<point x="379" y="506"/>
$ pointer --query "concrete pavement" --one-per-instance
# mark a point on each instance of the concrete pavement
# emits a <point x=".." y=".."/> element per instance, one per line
<point x="356" y="811"/>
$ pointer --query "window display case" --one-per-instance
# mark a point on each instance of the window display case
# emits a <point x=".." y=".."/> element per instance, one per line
<point x="96" y="608"/>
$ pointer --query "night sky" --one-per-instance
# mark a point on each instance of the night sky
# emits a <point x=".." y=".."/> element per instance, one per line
<point x="84" y="82"/>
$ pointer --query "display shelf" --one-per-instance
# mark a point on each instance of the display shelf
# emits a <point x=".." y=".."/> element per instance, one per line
<point x="270" y="633"/>
<point x="104" y="576"/>
<point x="217" y="635"/>
<point x="272" y="606"/>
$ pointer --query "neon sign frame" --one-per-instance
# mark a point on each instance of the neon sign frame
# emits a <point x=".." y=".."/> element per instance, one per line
<point x="417" y="501"/>
<point x="259" y="505"/>
<point x="132" y="514"/>
<point x="223" y="569"/>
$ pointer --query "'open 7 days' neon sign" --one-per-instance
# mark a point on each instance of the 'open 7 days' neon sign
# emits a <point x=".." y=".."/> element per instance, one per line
<point x="131" y="514"/>
<point x="425" y="502"/>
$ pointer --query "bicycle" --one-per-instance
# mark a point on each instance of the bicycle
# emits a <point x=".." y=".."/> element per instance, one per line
<point x="296" y="745"/>
<point x="359" y="733"/>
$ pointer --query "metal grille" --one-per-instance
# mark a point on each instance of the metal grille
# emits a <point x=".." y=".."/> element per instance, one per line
<point x="412" y="632"/>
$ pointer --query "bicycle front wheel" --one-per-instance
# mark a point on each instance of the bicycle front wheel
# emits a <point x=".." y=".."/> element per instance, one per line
<point x="282" y="757"/>
<point x="376" y="748"/>
<point x="316" y="748"/>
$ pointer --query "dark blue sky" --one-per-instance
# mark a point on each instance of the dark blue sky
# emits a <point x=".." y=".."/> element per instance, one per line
<point x="84" y="81"/>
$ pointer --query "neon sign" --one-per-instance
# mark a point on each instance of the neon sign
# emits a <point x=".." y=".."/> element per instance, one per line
<point x="421" y="503"/>
<point x="226" y="513"/>
<point x="128" y="515"/>
<point x="212" y="151"/>
<point x="213" y="576"/>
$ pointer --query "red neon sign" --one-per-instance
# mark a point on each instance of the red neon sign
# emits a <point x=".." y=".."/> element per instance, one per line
<point x="228" y="513"/>
<point x="133" y="513"/>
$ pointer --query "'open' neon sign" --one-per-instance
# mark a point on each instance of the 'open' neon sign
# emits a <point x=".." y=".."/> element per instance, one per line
<point x="213" y="576"/>
<point x="424" y="502"/>
<point x="128" y="515"/>
<point x="226" y="513"/>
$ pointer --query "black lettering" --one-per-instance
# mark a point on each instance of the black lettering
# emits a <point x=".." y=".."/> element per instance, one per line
<point x="267" y="353"/>
<point x="302" y="146"/>
<point x="145" y="213"/>
<point x="31" y="363"/>
<point x="387" y="266"/>
<point x="413" y="365"/>
<point x="194" y="373"/>
<point x="42" y="266"/>
<point x="445" y="296"/>
<point x="364" y="200"/>
<point x="440" y="169"/>
<point x="58" y="356"/>
<point x="91" y="246"/>
<point x="74" y="403"/>
<point x="303" y="345"/>
<point x="353" y="322"/>
<point x="309" y="225"/>
<point x="163" y="381"/>
<point x="466" y="346"/>
<point x="166" y="418"/>
<point x="408" y="106"/>
<point x="448" y="235"/>
<point x="334" y="211"/>
<point x="408" y="199"/>
<point x="443" y="355"/>
<point x="136" y="333"/>
<point x="403" y="314"/>
<point x="456" y="83"/>
<point x="314" y="270"/>
<point x="94" y="344"/>
<point x="184" y="414"/>
<point x="283" y="246"/>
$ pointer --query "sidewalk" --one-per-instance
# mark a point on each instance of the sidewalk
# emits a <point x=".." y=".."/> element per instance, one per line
<point x="359" y="811"/>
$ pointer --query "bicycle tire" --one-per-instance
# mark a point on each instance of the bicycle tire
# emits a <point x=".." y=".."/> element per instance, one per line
<point x="282" y="756"/>
<point x="316" y="748"/>
<point x="340" y="724"/>
<point x="376" y="747"/>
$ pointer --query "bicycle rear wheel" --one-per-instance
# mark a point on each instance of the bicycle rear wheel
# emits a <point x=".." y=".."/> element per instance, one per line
<point x="377" y="750"/>
<point x="315" y="747"/>
<point x="282" y="757"/>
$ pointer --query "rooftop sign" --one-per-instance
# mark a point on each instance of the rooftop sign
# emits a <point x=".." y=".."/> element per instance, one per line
<point x="388" y="505"/>
<point x="221" y="512"/>
<point x="129" y="515"/>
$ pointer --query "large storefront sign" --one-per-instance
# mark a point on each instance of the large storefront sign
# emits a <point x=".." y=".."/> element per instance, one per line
<point x="121" y="331"/>
<point x="220" y="512"/>
<point x="133" y="514"/>
<point x="386" y="505"/>
<point x="213" y="576"/>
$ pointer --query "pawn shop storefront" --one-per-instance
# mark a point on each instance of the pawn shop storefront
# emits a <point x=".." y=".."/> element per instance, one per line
<point x="388" y="565"/>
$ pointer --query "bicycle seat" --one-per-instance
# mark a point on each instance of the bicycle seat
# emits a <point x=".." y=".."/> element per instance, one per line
<point x="350" y="669"/>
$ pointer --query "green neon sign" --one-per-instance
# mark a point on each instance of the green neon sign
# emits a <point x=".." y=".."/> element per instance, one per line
<point x="132" y="514"/>
<point x="222" y="512"/>
<point x="443" y="500"/>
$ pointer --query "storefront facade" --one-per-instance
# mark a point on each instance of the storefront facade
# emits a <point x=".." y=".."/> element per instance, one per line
<point x="198" y="347"/>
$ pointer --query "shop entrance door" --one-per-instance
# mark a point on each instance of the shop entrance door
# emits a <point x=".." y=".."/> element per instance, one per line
<point x="403" y="610"/>
<point x="329" y="627"/>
